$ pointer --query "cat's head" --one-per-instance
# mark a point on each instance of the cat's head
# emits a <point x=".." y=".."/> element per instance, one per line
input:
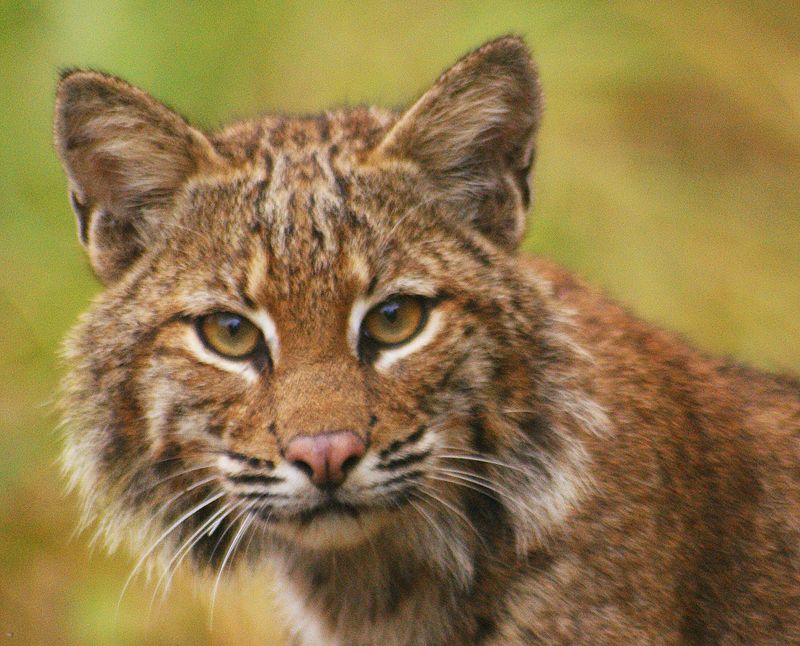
<point x="313" y="329"/>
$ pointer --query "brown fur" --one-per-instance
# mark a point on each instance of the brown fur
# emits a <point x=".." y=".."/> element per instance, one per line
<point x="541" y="467"/>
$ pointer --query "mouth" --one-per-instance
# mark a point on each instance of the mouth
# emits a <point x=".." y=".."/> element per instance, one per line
<point x="329" y="508"/>
<point x="330" y="522"/>
<point x="331" y="518"/>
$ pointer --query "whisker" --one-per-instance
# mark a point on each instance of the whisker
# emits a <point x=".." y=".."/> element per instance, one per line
<point x="161" y="461"/>
<point x="483" y="459"/>
<point x="435" y="497"/>
<point x="429" y="519"/>
<point x="183" y="492"/>
<point x="243" y="527"/>
<point x="224" y="533"/>
<point x="246" y="549"/>
<point x="467" y="485"/>
<point x="483" y="481"/>
<point x="476" y="479"/>
<point x="265" y="521"/>
<point x="208" y="527"/>
<point x="490" y="485"/>
<point x="159" y="513"/>
<point x="152" y="486"/>
<point x="162" y="537"/>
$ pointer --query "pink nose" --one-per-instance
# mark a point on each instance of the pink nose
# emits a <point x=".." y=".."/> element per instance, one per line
<point x="327" y="457"/>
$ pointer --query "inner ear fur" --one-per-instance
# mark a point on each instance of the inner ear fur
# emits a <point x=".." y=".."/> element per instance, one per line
<point x="126" y="156"/>
<point x="473" y="135"/>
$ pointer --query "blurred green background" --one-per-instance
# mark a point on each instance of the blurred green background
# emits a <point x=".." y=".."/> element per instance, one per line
<point x="669" y="174"/>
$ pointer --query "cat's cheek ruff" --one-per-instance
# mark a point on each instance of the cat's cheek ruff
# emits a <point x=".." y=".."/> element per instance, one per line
<point x="242" y="368"/>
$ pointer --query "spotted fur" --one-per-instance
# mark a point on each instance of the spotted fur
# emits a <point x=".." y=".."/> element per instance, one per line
<point x="541" y="466"/>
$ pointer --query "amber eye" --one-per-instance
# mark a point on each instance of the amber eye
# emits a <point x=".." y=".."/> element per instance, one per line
<point x="395" y="320"/>
<point x="229" y="334"/>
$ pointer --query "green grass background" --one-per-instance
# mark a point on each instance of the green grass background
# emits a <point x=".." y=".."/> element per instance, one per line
<point x="668" y="174"/>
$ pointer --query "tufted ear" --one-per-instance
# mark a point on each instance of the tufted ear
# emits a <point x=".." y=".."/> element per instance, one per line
<point x="473" y="134"/>
<point x="126" y="156"/>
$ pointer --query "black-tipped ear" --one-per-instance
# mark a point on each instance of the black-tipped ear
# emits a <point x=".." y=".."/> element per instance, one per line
<point x="473" y="135"/>
<point x="126" y="155"/>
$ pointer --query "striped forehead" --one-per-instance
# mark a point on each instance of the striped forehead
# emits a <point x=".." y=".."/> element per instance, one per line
<point x="300" y="209"/>
<point x="303" y="171"/>
<point x="305" y="223"/>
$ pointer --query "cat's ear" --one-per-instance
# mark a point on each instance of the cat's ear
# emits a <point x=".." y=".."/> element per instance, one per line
<point x="473" y="134"/>
<point x="126" y="156"/>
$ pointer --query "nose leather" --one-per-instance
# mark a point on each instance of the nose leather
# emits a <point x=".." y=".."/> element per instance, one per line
<point x="326" y="458"/>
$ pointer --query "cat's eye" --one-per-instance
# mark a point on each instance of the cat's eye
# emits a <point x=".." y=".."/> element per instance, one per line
<point x="396" y="320"/>
<point x="229" y="334"/>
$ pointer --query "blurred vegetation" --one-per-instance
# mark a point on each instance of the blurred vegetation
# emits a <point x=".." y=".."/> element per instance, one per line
<point x="668" y="174"/>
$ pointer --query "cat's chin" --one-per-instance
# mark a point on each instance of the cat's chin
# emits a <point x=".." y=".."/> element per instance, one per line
<point x="330" y="531"/>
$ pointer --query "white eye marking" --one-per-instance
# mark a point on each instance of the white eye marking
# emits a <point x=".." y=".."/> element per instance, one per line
<point x="357" y="314"/>
<point x="389" y="356"/>
<point x="261" y="319"/>
<point x="406" y="285"/>
<point x="242" y="368"/>
<point x="270" y="332"/>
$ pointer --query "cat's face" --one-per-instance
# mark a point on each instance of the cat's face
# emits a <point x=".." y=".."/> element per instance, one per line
<point x="311" y="330"/>
<point x="277" y="308"/>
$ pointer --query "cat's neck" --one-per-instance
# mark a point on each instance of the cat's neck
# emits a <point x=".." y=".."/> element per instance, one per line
<point x="414" y="585"/>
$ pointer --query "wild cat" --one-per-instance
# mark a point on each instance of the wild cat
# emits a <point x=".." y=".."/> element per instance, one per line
<point x="319" y="346"/>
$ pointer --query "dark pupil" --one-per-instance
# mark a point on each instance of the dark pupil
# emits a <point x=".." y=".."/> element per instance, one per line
<point x="231" y="324"/>
<point x="390" y="311"/>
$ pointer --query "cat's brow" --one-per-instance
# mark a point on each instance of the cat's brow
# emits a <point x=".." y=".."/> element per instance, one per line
<point x="204" y="302"/>
<point x="412" y="285"/>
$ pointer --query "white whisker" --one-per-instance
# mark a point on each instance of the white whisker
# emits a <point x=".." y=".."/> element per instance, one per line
<point x="478" y="458"/>
<point x="429" y="519"/>
<point x="153" y="485"/>
<point x="206" y="528"/>
<point x="499" y="490"/>
<point x="460" y="514"/>
<point x="243" y="526"/>
<point x="182" y="492"/>
<point x="163" y="536"/>
<point x="467" y="485"/>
